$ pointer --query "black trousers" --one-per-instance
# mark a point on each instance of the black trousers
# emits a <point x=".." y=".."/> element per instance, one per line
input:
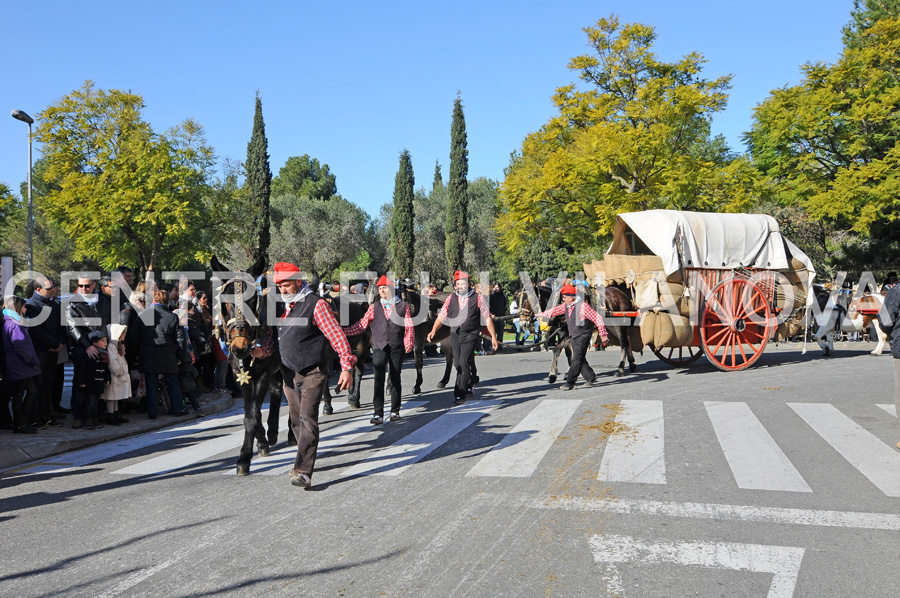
<point x="390" y="359"/>
<point x="579" y="363"/>
<point x="40" y="409"/>
<point x="303" y="391"/>
<point x="463" y="345"/>
<point x="24" y="393"/>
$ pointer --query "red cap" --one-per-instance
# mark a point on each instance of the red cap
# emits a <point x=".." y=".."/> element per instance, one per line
<point x="459" y="274"/>
<point x="384" y="281"/>
<point x="567" y="289"/>
<point x="286" y="271"/>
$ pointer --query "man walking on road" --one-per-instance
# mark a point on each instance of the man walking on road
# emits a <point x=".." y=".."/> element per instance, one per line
<point x="304" y="327"/>
<point x="580" y="320"/>
<point x="464" y="311"/>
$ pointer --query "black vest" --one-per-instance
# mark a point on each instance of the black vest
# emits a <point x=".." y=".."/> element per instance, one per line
<point x="471" y="321"/>
<point x="384" y="331"/>
<point x="576" y="329"/>
<point x="301" y="346"/>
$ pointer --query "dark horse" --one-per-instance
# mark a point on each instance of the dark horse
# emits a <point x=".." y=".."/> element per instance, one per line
<point x="253" y="356"/>
<point x="619" y="334"/>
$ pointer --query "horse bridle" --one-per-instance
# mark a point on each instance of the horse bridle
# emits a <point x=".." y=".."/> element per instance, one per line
<point x="236" y="326"/>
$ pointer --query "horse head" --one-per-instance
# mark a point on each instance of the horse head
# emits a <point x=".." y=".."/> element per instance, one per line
<point x="242" y="321"/>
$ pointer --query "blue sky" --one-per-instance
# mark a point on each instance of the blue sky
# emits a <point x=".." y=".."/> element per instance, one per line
<point x="354" y="83"/>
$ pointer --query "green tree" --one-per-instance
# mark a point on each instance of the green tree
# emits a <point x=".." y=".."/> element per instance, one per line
<point x="438" y="181"/>
<point x="304" y="176"/>
<point x="829" y="145"/>
<point x="316" y="235"/>
<point x="124" y="194"/>
<point x="402" y="236"/>
<point x="457" y="227"/>
<point x="864" y="15"/>
<point x="627" y="142"/>
<point x="484" y="204"/>
<point x="258" y="185"/>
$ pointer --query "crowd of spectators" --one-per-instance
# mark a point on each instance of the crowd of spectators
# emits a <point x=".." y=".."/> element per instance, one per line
<point x="122" y="357"/>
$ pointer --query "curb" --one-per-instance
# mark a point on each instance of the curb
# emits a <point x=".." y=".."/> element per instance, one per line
<point x="16" y="450"/>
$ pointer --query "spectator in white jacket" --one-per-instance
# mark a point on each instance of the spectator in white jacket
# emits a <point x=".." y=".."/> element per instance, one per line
<point x="119" y="388"/>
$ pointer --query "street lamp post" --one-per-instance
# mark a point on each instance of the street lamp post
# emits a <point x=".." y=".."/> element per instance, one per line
<point x="20" y="115"/>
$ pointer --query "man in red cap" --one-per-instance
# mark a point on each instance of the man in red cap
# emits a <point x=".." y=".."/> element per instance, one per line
<point x="580" y="320"/>
<point x="464" y="311"/>
<point x="390" y="339"/>
<point x="303" y="328"/>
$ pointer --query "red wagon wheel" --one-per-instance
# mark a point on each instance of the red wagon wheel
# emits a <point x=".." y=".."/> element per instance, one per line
<point x="678" y="356"/>
<point x="735" y="325"/>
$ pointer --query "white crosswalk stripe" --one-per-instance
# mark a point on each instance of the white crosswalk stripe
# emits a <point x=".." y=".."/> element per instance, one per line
<point x="282" y="460"/>
<point x="398" y="457"/>
<point x="638" y="454"/>
<point x="753" y="456"/>
<point x="521" y="451"/>
<point x="873" y="458"/>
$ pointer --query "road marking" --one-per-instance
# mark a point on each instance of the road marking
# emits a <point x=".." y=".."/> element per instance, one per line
<point x="397" y="458"/>
<point x="775" y="515"/>
<point x="872" y="457"/>
<point x="94" y="454"/>
<point x="282" y="460"/>
<point x="783" y="562"/>
<point x="523" y="448"/>
<point x="189" y="455"/>
<point x="755" y="460"/>
<point x="891" y="409"/>
<point x="638" y="453"/>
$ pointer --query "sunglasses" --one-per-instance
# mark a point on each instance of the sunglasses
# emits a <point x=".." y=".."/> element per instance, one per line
<point x="85" y="286"/>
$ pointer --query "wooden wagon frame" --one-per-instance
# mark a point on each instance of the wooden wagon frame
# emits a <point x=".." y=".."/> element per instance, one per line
<point x="722" y="285"/>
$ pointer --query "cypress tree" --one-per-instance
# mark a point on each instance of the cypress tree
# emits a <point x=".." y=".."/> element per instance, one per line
<point x="438" y="179"/>
<point x="457" y="227"/>
<point x="258" y="183"/>
<point x="402" y="235"/>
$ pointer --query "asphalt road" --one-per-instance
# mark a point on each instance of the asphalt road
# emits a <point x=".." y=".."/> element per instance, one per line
<point x="781" y="480"/>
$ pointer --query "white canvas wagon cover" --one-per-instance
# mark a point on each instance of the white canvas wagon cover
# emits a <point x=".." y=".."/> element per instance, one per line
<point x="720" y="241"/>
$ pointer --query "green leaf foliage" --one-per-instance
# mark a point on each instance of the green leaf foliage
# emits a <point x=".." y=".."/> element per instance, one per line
<point x="633" y="136"/>
<point x="124" y="194"/>
<point x="257" y="186"/>
<point x="304" y="177"/>
<point x="457" y="227"/>
<point x="402" y="235"/>
<point x="829" y="145"/>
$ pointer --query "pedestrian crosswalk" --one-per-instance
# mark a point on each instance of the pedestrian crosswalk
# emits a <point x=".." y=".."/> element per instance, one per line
<point x="523" y="434"/>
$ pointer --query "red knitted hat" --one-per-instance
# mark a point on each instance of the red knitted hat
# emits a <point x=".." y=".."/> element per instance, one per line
<point x="286" y="271"/>
<point x="460" y="274"/>
<point x="567" y="289"/>
<point x="384" y="281"/>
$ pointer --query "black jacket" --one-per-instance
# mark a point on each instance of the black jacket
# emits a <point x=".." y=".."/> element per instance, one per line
<point x="92" y="373"/>
<point x="161" y="343"/>
<point x="77" y="310"/>
<point x="50" y="333"/>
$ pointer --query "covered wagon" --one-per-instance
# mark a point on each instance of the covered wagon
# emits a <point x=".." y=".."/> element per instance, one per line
<point x="722" y="285"/>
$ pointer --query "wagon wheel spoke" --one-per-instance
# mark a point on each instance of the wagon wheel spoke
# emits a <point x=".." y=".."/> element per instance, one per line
<point x="735" y="324"/>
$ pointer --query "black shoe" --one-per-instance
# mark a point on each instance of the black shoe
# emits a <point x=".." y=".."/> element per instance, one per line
<point x="459" y="400"/>
<point x="38" y="424"/>
<point x="354" y="404"/>
<point x="395" y="417"/>
<point x="151" y="417"/>
<point x="470" y="393"/>
<point x="592" y="382"/>
<point x="87" y="426"/>
<point x="25" y="430"/>
<point x="111" y="421"/>
<point x="121" y="419"/>
<point x="300" y="479"/>
<point x="376" y="420"/>
<point x="567" y="387"/>
<point x="52" y="423"/>
<point x="179" y="414"/>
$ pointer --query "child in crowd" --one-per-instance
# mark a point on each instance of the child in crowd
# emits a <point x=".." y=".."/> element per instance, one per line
<point x="93" y="376"/>
<point x="22" y="365"/>
<point x="119" y="388"/>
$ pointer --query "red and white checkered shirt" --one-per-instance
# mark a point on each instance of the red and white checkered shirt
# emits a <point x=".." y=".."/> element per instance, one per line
<point x="409" y="331"/>
<point x="587" y="312"/>
<point x="463" y="302"/>
<point x="324" y="319"/>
